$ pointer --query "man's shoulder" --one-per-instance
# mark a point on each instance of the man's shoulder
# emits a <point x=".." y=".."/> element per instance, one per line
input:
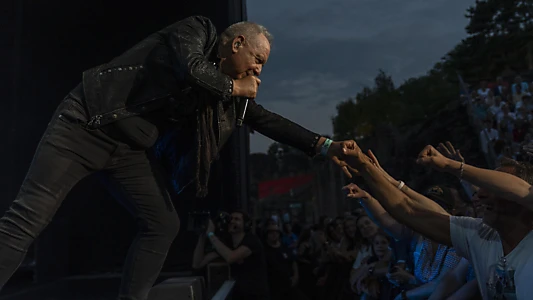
<point x="475" y="227"/>
<point x="194" y="21"/>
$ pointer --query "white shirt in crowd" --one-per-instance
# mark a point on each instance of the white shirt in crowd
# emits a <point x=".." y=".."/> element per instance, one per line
<point x="363" y="253"/>
<point x="483" y="93"/>
<point x="501" y="115"/>
<point x="486" y="136"/>
<point x="524" y="116"/>
<point x="499" y="277"/>
<point x="496" y="109"/>
<point x="524" y="87"/>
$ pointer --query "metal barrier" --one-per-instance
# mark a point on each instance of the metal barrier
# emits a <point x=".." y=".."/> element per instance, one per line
<point x="224" y="291"/>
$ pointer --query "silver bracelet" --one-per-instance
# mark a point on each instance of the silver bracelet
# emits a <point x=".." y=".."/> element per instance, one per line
<point x="461" y="170"/>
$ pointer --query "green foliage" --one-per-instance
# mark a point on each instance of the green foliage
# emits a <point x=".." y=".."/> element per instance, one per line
<point x="414" y="100"/>
<point x="500" y="37"/>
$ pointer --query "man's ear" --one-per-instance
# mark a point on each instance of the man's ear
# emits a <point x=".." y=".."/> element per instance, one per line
<point x="238" y="42"/>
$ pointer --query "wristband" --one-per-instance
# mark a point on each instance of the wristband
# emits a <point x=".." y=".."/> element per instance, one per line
<point x="325" y="147"/>
<point x="210" y="234"/>
<point x="461" y="170"/>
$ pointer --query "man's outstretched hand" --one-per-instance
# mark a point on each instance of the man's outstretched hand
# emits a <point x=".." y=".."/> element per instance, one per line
<point x="354" y="157"/>
<point x="336" y="153"/>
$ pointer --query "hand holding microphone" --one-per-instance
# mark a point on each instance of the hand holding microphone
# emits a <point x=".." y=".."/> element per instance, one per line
<point x="246" y="87"/>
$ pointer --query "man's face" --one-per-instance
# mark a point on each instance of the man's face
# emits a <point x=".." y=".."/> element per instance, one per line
<point x="237" y="223"/>
<point x="479" y="208"/>
<point x="247" y="57"/>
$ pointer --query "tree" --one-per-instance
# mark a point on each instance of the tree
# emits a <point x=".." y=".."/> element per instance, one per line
<point x="499" y="37"/>
<point x="383" y="104"/>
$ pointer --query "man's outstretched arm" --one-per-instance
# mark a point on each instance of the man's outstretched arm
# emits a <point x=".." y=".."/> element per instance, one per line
<point x="282" y="130"/>
<point x="421" y="218"/>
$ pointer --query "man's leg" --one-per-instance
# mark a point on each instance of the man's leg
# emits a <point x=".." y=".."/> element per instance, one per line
<point x="157" y="220"/>
<point x="66" y="154"/>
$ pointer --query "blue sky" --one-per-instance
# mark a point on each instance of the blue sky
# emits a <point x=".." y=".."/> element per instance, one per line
<point x="325" y="51"/>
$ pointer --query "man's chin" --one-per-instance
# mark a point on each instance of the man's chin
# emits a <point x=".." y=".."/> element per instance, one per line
<point x="489" y="219"/>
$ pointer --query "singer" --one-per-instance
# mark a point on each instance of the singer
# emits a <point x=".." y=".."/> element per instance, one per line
<point x="180" y="85"/>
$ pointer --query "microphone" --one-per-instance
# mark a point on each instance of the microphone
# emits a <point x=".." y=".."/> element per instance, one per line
<point x="243" y="105"/>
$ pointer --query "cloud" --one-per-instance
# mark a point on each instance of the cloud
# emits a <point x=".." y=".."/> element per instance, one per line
<point x="326" y="51"/>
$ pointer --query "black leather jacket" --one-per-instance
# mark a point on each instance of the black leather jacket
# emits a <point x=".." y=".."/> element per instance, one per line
<point x="177" y="66"/>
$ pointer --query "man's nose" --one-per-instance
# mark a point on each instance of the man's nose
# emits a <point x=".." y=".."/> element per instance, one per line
<point x="257" y="70"/>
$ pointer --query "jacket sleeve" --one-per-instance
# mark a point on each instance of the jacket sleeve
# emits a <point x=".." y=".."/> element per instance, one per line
<point x="190" y="39"/>
<point x="280" y="129"/>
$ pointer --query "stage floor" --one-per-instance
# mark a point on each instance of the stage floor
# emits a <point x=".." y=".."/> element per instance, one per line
<point x="100" y="287"/>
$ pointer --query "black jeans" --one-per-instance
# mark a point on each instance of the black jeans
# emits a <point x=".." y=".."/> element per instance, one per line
<point x="67" y="153"/>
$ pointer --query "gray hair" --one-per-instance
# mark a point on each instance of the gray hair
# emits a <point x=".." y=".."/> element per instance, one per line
<point x="246" y="29"/>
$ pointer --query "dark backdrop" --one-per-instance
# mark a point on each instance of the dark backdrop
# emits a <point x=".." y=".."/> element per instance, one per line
<point x="45" y="47"/>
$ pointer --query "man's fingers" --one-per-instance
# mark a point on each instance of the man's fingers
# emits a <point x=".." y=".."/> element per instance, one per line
<point x="374" y="158"/>
<point x="343" y="166"/>
<point x="354" y="171"/>
<point x="460" y="155"/>
<point x="427" y="151"/>
<point x="423" y="161"/>
<point x="445" y="150"/>
<point x="346" y="171"/>
<point x="450" y="147"/>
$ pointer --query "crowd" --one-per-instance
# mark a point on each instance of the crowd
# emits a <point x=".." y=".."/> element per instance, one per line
<point x="469" y="241"/>
<point x="505" y="112"/>
<point x="367" y="254"/>
<point x="436" y="244"/>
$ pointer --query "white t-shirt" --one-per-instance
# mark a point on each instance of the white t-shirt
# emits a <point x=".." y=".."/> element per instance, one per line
<point x="501" y="115"/>
<point x="483" y="93"/>
<point x="486" y="136"/>
<point x="363" y="253"/>
<point x="496" y="109"/>
<point x="509" y="276"/>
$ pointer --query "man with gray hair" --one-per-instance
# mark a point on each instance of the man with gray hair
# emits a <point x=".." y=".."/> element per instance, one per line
<point x="179" y="89"/>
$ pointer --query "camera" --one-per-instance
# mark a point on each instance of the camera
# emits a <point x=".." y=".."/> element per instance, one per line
<point x="198" y="221"/>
